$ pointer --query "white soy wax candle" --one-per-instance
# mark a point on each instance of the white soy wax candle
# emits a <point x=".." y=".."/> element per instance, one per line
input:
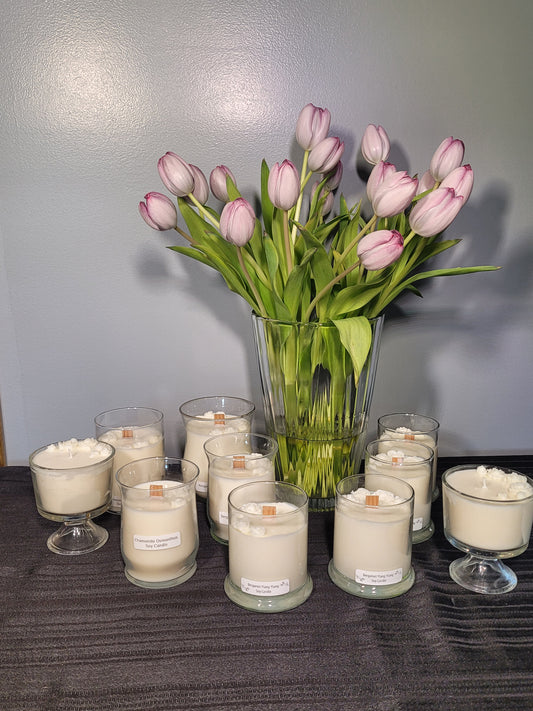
<point x="487" y="508"/>
<point x="412" y="463"/>
<point x="159" y="526"/>
<point x="372" y="536"/>
<point x="410" y="427"/>
<point x="72" y="477"/>
<point x="135" y="433"/>
<point x="268" y="547"/>
<point x="207" y="417"/>
<point x="235" y="459"/>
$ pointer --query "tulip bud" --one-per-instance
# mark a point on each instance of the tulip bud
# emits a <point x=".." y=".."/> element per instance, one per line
<point x="334" y="177"/>
<point x="217" y="181"/>
<point x="380" y="249"/>
<point x="461" y="180"/>
<point x="237" y="222"/>
<point x="434" y="212"/>
<point x="377" y="176"/>
<point x="394" y="194"/>
<point x="426" y="182"/>
<point x="447" y="157"/>
<point x="201" y="189"/>
<point x="283" y="185"/>
<point x="325" y="155"/>
<point x="375" y="145"/>
<point x="176" y="174"/>
<point x="158" y="211"/>
<point x="312" y="126"/>
<point x="328" y="202"/>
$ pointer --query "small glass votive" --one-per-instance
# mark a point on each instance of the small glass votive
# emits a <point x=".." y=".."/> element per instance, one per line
<point x="411" y="427"/>
<point x="72" y="484"/>
<point x="372" y="536"/>
<point x="268" y="547"/>
<point x="414" y="464"/>
<point x="488" y="514"/>
<point x="206" y="417"/>
<point x="235" y="459"/>
<point x="159" y="523"/>
<point x="135" y="433"/>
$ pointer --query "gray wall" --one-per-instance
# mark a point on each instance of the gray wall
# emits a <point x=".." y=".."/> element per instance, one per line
<point x="95" y="313"/>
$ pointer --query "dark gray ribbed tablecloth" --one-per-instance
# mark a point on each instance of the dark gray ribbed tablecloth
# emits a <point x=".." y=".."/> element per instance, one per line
<point x="76" y="635"/>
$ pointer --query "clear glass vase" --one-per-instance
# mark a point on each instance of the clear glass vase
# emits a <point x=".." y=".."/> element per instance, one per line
<point x="316" y="402"/>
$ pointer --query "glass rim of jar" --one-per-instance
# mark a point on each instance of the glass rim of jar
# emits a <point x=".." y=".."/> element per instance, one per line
<point x="276" y="516"/>
<point x="250" y="409"/>
<point x="175" y="460"/>
<point x="35" y="465"/>
<point x="124" y="425"/>
<point x="497" y="502"/>
<point x="435" y="423"/>
<point x="241" y="435"/>
<point x="392" y="479"/>
<point x="397" y="443"/>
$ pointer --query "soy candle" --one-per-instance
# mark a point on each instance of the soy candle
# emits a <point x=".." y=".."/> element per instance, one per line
<point x="233" y="460"/>
<point x="159" y="526"/>
<point x="207" y="417"/>
<point x="268" y="547"/>
<point x="372" y="536"/>
<point x="72" y="477"/>
<point x="413" y="463"/>
<point x="135" y="433"/>
<point x="487" y="508"/>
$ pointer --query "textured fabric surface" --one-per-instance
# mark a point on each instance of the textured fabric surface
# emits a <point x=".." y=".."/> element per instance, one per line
<point x="76" y="635"/>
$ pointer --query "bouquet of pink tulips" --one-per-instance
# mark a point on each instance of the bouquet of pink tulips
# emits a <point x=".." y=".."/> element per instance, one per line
<point x="298" y="263"/>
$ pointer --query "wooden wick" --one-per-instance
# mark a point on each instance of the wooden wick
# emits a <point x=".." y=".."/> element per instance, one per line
<point x="269" y="510"/>
<point x="409" y="435"/>
<point x="239" y="461"/>
<point x="156" y="489"/>
<point x="220" y="418"/>
<point x="127" y="433"/>
<point x="372" y="500"/>
<point x="397" y="460"/>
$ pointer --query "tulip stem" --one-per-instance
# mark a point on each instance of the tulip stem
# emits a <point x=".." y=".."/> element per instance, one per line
<point x="184" y="235"/>
<point x="328" y="288"/>
<point x="288" y="242"/>
<point x="259" y="301"/>
<point x="301" y="195"/>
<point x="204" y="212"/>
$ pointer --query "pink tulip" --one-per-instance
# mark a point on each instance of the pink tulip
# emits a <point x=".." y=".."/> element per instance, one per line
<point x="434" y="212"/>
<point x="377" y="176"/>
<point x="201" y="189"/>
<point x="426" y="182"/>
<point x="176" y="174"/>
<point x="461" y="180"/>
<point x="448" y="156"/>
<point x="334" y="177"/>
<point x="375" y="145"/>
<point x="158" y="211"/>
<point x="394" y="194"/>
<point x="328" y="202"/>
<point x="312" y="126"/>
<point x="217" y="181"/>
<point x="237" y="222"/>
<point x="380" y="249"/>
<point x="284" y="185"/>
<point x="325" y="155"/>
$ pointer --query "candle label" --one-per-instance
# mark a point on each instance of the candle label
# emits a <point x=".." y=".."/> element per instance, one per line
<point x="270" y="589"/>
<point x="378" y="577"/>
<point x="157" y="543"/>
<point x="418" y="523"/>
<point x="201" y="486"/>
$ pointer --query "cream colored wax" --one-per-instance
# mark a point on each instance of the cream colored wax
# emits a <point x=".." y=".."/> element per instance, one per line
<point x="199" y="430"/>
<point x="159" y="534"/>
<point x="268" y="554"/>
<point x="406" y="435"/>
<point x="225" y="474"/>
<point x="130" y="444"/>
<point x="372" y="544"/>
<point x="410" y="468"/>
<point x="71" y="480"/>
<point x="487" y="508"/>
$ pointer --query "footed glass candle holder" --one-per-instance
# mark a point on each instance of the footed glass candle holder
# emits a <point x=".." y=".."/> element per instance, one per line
<point x="72" y="484"/>
<point x="372" y="536"/>
<point x="159" y="524"/>
<point x="235" y="459"/>
<point x="488" y="514"/>
<point x="206" y="417"/>
<point x="268" y="547"/>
